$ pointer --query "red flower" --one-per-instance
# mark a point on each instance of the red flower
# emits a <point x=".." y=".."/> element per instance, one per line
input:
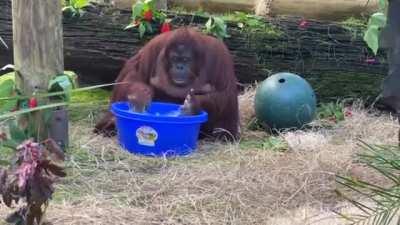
<point x="303" y="24"/>
<point x="148" y="15"/>
<point x="165" y="27"/>
<point x="32" y="103"/>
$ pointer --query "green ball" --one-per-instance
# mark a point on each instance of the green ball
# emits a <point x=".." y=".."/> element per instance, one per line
<point x="285" y="100"/>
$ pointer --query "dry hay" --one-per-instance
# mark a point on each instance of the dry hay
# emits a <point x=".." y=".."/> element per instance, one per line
<point x="219" y="184"/>
<point x="246" y="105"/>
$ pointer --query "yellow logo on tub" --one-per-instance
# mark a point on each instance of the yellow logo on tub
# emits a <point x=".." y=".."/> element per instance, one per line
<point x="146" y="136"/>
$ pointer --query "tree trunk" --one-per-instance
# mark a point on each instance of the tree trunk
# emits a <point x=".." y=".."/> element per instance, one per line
<point x="38" y="42"/>
<point x="38" y="50"/>
<point x="333" y="57"/>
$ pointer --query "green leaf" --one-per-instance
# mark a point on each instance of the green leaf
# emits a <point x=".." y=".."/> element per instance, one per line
<point x="217" y="27"/>
<point x="371" y="36"/>
<point x="61" y="83"/>
<point x="219" y="22"/>
<point x="73" y="78"/>
<point x="209" y="24"/>
<point x="382" y="5"/>
<point x="142" y="30"/>
<point x="159" y="16"/>
<point x="137" y="10"/>
<point x="7" y="106"/>
<point x="149" y="27"/>
<point x="146" y="7"/>
<point x="275" y="143"/>
<point x="79" y="4"/>
<point x="149" y="5"/>
<point x="7" y="89"/>
<point x="377" y="19"/>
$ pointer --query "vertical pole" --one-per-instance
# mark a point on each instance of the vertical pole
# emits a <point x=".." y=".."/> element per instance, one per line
<point x="38" y="49"/>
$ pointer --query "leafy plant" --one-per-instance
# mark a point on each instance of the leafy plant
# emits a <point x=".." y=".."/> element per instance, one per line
<point x="355" y="27"/>
<point x="331" y="111"/>
<point x="252" y="23"/>
<point x="375" y="24"/>
<point x="385" y="204"/>
<point x="75" y="7"/>
<point x="245" y="20"/>
<point x="272" y="143"/>
<point x="31" y="177"/>
<point x="216" y="26"/>
<point x="10" y="98"/>
<point x="145" y="15"/>
<point x="7" y="88"/>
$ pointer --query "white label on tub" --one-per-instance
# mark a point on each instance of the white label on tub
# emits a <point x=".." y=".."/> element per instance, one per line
<point x="146" y="136"/>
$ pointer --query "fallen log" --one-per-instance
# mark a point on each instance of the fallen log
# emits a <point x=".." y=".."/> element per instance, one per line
<point x="311" y="9"/>
<point x="195" y="5"/>
<point x="331" y="56"/>
<point x="316" y="9"/>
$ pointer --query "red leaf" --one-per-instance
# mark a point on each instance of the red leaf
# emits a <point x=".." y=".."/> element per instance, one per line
<point x="24" y="172"/>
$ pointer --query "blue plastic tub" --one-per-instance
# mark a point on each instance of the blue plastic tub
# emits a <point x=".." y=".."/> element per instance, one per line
<point x="159" y="131"/>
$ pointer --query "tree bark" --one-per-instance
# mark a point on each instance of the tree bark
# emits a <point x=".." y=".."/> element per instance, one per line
<point x="38" y="50"/>
<point x="38" y="43"/>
